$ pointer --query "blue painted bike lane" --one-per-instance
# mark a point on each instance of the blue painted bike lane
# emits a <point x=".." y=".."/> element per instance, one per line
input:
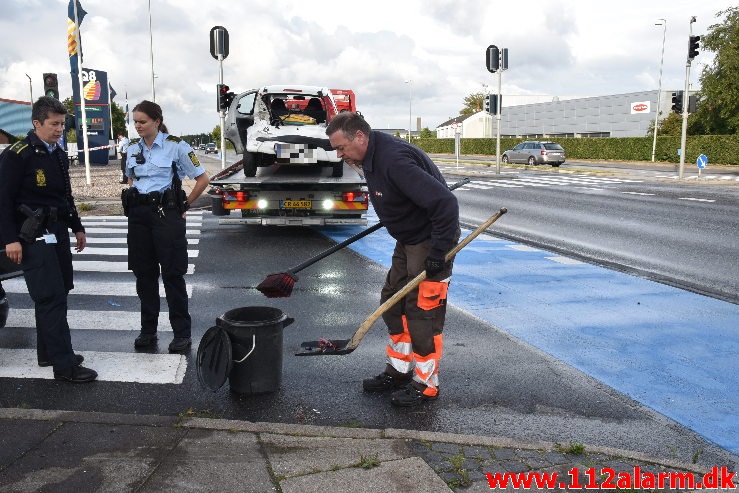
<point x="674" y="351"/>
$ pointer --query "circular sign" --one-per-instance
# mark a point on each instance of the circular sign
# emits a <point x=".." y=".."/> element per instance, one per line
<point x="702" y="161"/>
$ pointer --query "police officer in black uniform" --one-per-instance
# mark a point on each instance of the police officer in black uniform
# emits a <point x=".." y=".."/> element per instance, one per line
<point x="36" y="212"/>
<point x="155" y="205"/>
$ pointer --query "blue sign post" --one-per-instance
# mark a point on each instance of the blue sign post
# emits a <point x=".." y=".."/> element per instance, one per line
<point x="701" y="162"/>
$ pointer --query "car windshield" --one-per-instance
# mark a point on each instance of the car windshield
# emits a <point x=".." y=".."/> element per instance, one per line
<point x="551" y="146"/>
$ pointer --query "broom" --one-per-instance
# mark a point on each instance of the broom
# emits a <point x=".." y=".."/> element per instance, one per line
<point x="281" y="285"/>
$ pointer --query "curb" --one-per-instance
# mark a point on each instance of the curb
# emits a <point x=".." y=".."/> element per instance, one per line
<point x="325" y="432"/>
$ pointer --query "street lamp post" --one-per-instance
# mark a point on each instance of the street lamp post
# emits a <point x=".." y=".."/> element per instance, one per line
<point x="30" y="87"/>
<point x="151" y="55"/>
<point x="663" y="23"/>
<point x="410" y="105"/>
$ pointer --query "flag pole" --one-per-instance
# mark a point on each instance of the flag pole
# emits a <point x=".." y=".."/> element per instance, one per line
<point x="85" y="141"/>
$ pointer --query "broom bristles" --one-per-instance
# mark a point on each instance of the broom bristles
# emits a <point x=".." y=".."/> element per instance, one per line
<point x="277" y="285"/>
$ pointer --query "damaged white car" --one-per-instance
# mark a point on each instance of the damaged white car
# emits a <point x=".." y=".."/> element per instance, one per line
<point x="286" y="125"/>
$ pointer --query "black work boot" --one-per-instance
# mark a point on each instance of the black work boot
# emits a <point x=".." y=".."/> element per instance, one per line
<point x="145" y="340"/>
<point x="75" y="374"/>
<point x="3" y="310"/>
<point x="412" y="396"/>
<point x="179" y="344"/>
<point x="385" y="381"/>
<point x="78" y="359"/>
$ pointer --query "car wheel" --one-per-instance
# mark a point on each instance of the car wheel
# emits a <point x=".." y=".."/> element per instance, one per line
<point x="532" y="160"/>
<point x="555" y="165"/>
<point x="250" y="164"/>
<point x="337" y="169"/>
<point x="504" y="159"/>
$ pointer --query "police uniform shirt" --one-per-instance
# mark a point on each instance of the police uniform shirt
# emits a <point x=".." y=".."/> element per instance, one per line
<point x="155" y="173"/>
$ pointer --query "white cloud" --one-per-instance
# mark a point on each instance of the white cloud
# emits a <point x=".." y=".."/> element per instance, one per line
<point x="556" y="48"/>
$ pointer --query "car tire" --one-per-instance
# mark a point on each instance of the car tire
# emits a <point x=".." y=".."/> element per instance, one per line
<point x="250" y="164"/>
<point x="532" y="161"/>
<point x="555" y="165"/>
<point x="504" y="159"/>
<point x="337" y="170"/>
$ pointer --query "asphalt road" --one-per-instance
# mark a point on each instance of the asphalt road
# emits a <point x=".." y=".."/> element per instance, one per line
<point x="493" y="383"/>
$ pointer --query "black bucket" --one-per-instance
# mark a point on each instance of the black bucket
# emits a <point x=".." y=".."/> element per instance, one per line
<point x="256" y="338"/>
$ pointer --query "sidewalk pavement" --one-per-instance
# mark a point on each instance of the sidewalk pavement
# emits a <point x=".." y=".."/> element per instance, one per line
<point x="60" y="451"/>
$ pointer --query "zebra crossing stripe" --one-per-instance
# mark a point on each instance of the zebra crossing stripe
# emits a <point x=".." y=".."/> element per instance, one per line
<point x="100" y="266"/>
<point x="112" y="289"/>
<point x="90" y="319"/>
<point x="119" y="251"/>
<point x="103" y="230"/>
<point x="110" y="366"/>
<point x="103" y="240"/>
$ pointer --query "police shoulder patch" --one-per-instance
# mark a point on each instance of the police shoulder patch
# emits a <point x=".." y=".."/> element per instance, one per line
<point x="172" y="138"/>
<point x="193" y="158"/>
<point x="18" y="146"/>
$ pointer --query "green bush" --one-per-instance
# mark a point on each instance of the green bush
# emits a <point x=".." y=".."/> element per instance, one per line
<point x="720" y="149"/>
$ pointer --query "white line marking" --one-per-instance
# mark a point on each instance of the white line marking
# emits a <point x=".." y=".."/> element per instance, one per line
<point x="695" y="199"/>
<point x="638" y="193"/>
<point x="591" y="188"/>
<point x="119" y="251"/>
<point x="90" y="320"/>
<point x="523" y="248"/>
<point x="102" y="230"/>
<point x="566" y="260"/>
<point x="127" y="288"/>
<point x="101" y="240"/>
<point x="95" y="266"/>
<point x="111" y="367"/>
<point x="124" y="224"/>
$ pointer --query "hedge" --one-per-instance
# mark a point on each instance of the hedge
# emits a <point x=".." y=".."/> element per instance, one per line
<point x="720" y="149"/>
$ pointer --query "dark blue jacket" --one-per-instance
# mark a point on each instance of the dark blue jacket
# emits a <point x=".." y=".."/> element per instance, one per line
<point x="31" y="176"/>
<point x="409" y="194"/>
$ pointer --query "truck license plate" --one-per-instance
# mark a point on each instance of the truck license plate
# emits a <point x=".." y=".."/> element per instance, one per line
<point x="297" y="204"/>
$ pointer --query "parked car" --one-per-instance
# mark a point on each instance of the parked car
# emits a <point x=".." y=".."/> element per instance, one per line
<point x="201" y="147"/>
<point x="211" y="147"/>
<point x="535" y="152"/>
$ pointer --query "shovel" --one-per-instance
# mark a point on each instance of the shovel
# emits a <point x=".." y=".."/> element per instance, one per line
<point x="281" y="285"/>
<point x="335" y="347"/>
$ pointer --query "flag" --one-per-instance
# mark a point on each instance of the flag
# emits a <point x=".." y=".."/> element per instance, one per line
<point x="111" y="92"/>
<point x="73" y="23"/>
<point x="126" y="114"/>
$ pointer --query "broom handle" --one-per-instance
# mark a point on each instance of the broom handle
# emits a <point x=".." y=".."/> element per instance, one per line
<point x="362" y="330"/>
<point x="354" y="238"/>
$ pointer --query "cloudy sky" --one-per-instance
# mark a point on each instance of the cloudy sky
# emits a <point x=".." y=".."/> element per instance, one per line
<point x="568" y="48"/>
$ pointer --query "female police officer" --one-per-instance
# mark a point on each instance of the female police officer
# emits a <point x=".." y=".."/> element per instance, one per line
<point x="155" y="205"/>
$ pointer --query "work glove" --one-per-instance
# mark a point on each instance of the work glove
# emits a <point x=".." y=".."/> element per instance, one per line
<point x="434" y="266"/>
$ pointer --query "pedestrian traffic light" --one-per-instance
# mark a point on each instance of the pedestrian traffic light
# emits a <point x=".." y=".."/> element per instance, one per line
<point x="693" y="47"/>
<point x="495" y="103"/>
<point x="51" y="86"/>
<point x="492" y="58"/>
<point x="677" y="102"/>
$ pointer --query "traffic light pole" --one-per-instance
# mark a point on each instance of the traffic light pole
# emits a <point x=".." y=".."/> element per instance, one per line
<point x="684" y="133"/>
<point x="222" y="113"/>
<point x="497" y="121"/>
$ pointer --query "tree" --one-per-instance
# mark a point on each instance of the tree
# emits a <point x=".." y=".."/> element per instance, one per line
<point x="473" y="103"/>
<point x="216" y="134"/>
<point x="427" y="134"/>
<point x="672" y="124"/>
<point x="718" y="113"/>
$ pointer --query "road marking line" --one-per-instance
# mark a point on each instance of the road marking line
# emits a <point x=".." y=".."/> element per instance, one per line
<point x="638" y="193"/>
<point x="523" y="248"/>
<point x="119" y="251"/>
<point x="695" y="199"/>
<point x="90" y="320"/>
<point x="101" y="230"/>
<point x="123" y="288"/>
<point x="566" y="260"/>
<point x="101" y="240"/>
<point x="111" y="367"/>
<point x="124" y="224"/>
<point x="99" y="266"/>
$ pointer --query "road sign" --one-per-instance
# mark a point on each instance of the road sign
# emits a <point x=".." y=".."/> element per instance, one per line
<point x="702" y="161"/>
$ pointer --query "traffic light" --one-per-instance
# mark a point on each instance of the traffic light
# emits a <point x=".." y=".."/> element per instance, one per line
<point x="692" y="103"/>
<point x="492" y="58"/>
<point x="487" y="103"/>
<point x="224" y="97"/>
<point x="677" y="102"/>
<point x="495" y="103"/>
<point x="51" y="86"/>
<point x="693" y="47"/>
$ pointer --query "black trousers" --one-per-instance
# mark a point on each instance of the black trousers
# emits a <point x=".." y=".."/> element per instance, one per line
<point x="157" y="244"/>
<point x="123" y="164"/>
<point x="47" y="269"/>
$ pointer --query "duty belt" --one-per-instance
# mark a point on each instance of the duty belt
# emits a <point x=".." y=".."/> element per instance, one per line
<point x="152" y="198"/>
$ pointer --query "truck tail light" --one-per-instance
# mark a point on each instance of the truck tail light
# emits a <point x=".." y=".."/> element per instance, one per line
<point x="241" y="196"/>
<point x="354" y="196"/>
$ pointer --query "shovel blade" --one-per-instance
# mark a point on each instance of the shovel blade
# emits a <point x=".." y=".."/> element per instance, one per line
<point x="325" y="347"/>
